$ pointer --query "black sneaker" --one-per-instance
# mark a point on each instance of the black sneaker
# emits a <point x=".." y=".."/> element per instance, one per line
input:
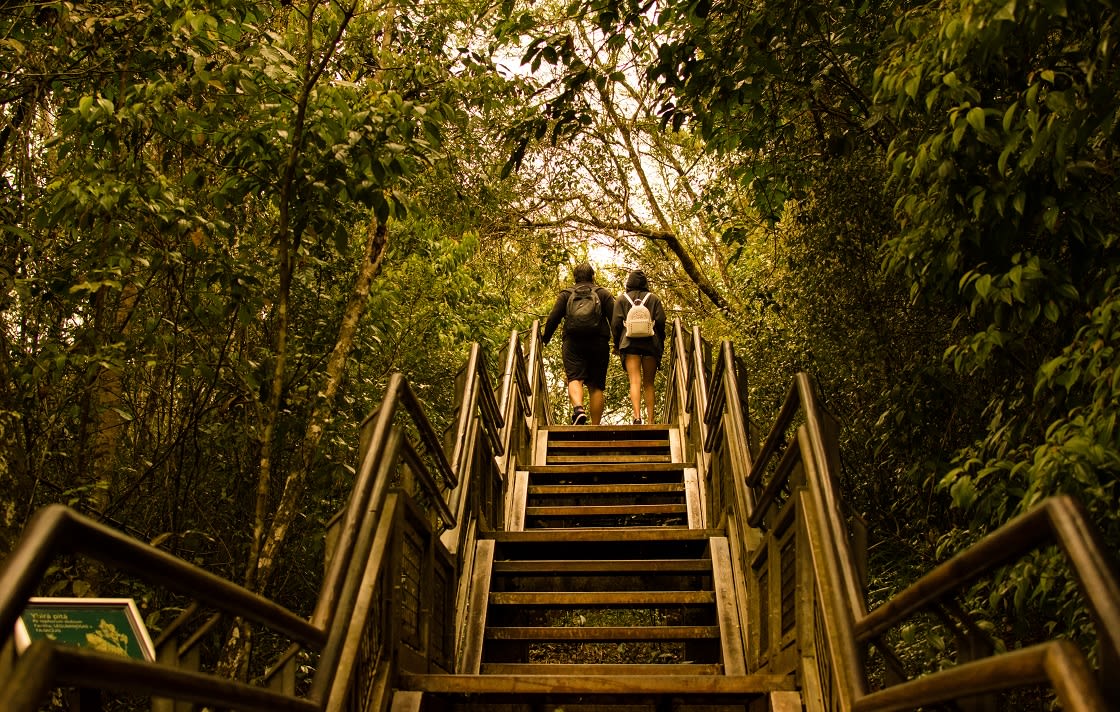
<point x="578" y="416"/>
<point x="637" y="421"/>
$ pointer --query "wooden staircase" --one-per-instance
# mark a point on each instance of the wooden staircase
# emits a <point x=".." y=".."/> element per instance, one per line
<point x="605" y="593"/>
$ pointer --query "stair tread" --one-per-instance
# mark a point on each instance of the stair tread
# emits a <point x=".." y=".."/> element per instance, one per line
<point x="590" y="679"/>
<point x="605" y="534"/>
<point x="597" y="489"/>
<point x="609" y="566"/>
<point x="604" y="509"/>
<point x="601" y="633"/>
<point x="606" y="444"/>
<point x="595" y="429"/>
<point x="607" y="459"/>
<point x="606" y="468"/>
<point x="606" y="598"/>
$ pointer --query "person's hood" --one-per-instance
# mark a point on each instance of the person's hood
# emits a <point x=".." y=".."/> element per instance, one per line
<point x="637" y="282"/>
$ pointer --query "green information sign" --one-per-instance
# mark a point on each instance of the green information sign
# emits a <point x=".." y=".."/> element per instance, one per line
<point x="109" y="625"/>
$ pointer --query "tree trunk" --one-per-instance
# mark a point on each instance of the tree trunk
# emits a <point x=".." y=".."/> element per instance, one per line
<point x="236" y="652"/>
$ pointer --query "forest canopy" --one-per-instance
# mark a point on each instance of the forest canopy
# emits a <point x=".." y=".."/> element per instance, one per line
<point x="224" y="225"/>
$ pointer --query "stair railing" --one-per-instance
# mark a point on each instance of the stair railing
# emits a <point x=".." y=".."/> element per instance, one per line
<point x="479" y="498"/>
<point x="686" y="404"/>
<point x="387" y="603"/>
<point x="806" y="610"/>
<point x="531" y="377"/>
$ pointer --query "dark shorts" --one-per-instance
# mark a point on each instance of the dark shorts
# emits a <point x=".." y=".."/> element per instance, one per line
<point x="642" y="347"/>
<point x="587" y="360"/>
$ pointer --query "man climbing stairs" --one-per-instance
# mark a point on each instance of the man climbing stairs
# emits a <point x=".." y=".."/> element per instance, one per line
<point x="605" y="593"/>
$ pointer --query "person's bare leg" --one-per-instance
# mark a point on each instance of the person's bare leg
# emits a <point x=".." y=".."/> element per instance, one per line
<point x="633" y="366"/>
<point x="649" y="373"/>
<point x="595" y="403"/>
<point x="575" y="393"/>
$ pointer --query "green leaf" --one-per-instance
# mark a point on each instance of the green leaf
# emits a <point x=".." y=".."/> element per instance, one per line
<point x="1052" y="313"/>
<point x="978" y="202"/>
<point x="1050" y="218"/>
<point x="983" y="285"/>
<point x="1009" y="116"/>
<point x="976" y="118"/>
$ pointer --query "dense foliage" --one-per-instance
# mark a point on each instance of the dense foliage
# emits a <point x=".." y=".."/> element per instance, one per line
<point x="916" y="202"/>
<point x="224" y="224"/>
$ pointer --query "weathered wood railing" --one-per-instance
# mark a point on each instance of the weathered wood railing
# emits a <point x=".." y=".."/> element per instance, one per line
<point x="387" y="603"/>
<point x="803" y="597"/>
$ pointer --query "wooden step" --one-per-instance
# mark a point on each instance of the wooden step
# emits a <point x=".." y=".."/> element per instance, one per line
<point x="648" y="535"/>
<point x="606" y="510"/>
<point x="570" y="670"/>
<point x="571" y="688"/>
<point x="597" y="445"/>
<point x="597" y="459"/>
<point x="606" y="473"/>
<point x="598" y="566"/>
<point x="601" y="598"/>
<point x="603" y="633"/>
<point x="607" y="468"/>
<point x="541" y="678"/>
<point x="659" y="431"/>
<point x="604" y="490"/>
<point x="694" y="575"/>
<point x="607" y="543"/>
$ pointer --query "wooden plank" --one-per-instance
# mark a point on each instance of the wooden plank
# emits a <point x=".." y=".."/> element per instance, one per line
<point x="606" y="459"/>
<point x="473" y="635"/>
<point x="601" y="598"/>
<point x="606" y="469"/>
<point x="607" y="566"/>
<point x="602" y="633"/>
<point x="568" y="670"/>
<point x="540" y="448"/>
<point x="742" y="544"/>
<point x="593" y="489"/>
<point x="406" y="701"/>
<point x="609" y="510"/>
<point x="606" y="444"/>
<point x="731" y="646"/>
<point x="692" y="499"/>
<point x="675" y="449"/>
<point x="601" y="431"/>
<point x="518" y="500"/>
<point x="785" y="701"/>
<point x="367" y="603"/>
<point x="591" y="534"/>
<point x="615" y="680"/>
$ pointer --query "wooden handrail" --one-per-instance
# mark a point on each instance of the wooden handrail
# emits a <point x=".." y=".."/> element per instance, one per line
<point x="45" y="665"/>
<point x="368" y="487"/>
<point x="1057" y="662"/>
<point x="534" y="367"/>
<point x="515" y="383"/>
<point x="696" y="369"/>
<point x="1060" y="520"/>
<point x="850" y="628"/>
<point x="57" y="529"/>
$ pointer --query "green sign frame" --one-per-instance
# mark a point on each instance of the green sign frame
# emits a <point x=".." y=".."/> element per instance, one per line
<point x="110" y="625"/>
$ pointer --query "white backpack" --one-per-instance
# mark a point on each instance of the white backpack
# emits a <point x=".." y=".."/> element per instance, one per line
<point x="638" y="322"/>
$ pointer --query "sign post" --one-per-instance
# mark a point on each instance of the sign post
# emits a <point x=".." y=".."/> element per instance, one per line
<point x="108" y="625"/>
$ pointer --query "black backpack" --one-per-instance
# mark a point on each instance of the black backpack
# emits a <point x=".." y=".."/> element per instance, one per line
<point x="584" y="312"/>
